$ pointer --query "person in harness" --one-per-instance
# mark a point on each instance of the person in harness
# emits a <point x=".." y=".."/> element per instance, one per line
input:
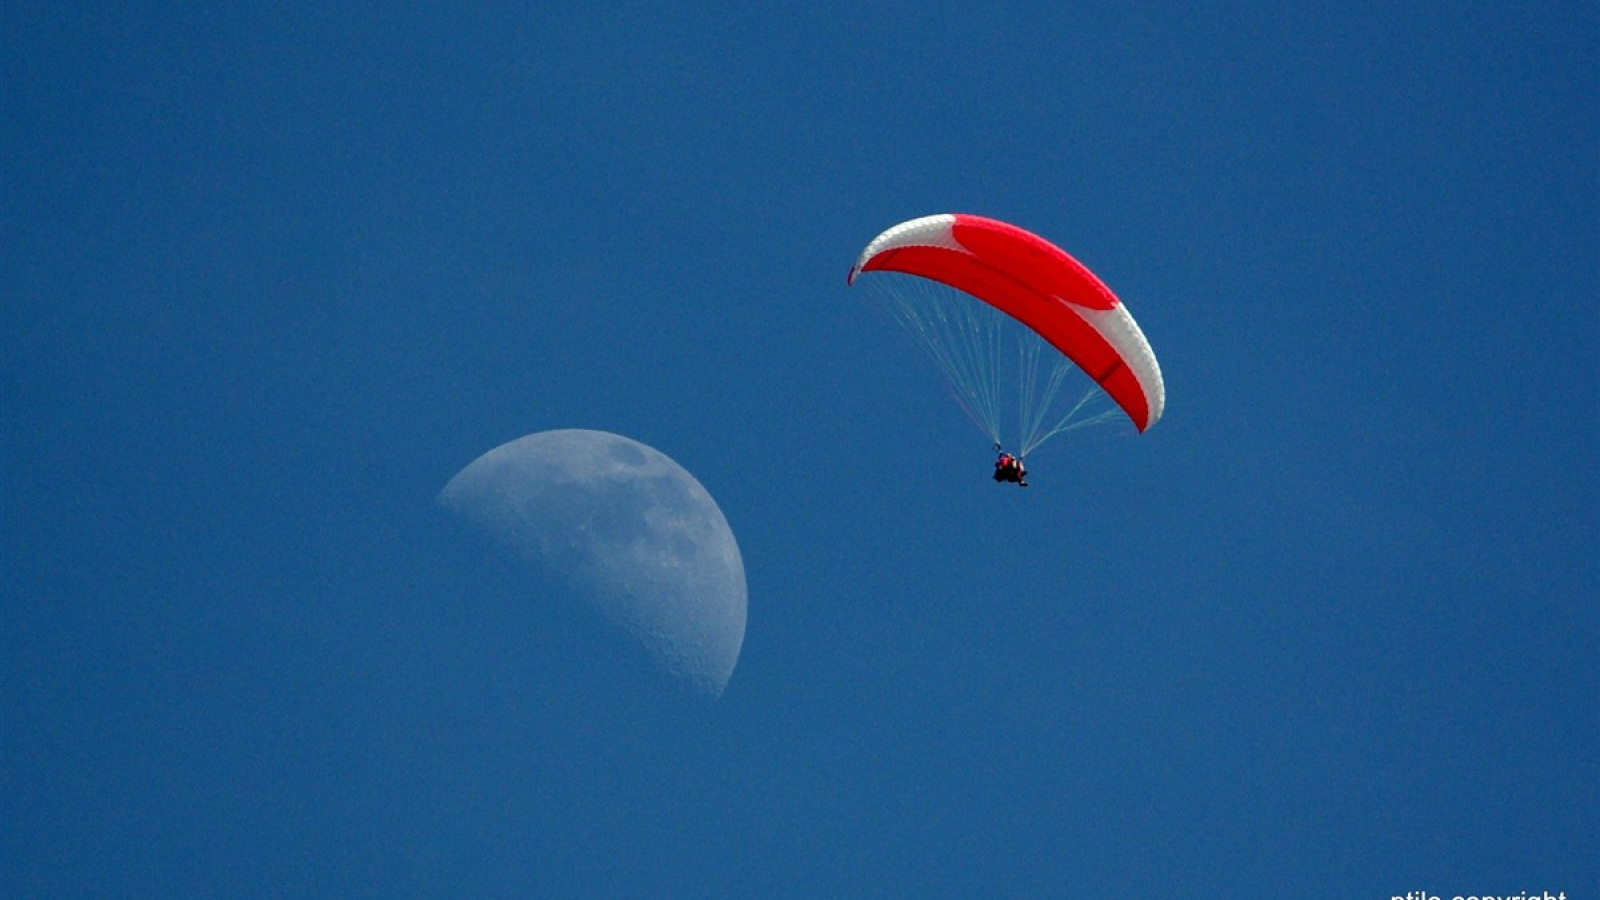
<point x="1009" y="468"/>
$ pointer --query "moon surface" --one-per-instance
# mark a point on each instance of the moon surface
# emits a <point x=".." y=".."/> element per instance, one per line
<point x="629" y="530"/>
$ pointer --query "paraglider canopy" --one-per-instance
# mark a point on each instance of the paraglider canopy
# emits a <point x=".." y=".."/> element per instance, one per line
<point x="1038" y="284"/>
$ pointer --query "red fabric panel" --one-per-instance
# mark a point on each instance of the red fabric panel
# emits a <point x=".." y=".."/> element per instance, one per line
<point x="1051" y="270"/>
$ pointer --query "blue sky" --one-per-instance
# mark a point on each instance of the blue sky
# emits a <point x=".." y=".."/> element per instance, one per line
<point x="271" y="277"/>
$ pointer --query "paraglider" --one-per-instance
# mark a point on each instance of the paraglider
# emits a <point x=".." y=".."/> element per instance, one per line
<point x="1009" y="469"/>
<point x="963" y="284"/>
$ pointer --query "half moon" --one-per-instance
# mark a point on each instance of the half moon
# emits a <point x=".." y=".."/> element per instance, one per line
<point x="629" y="530"/>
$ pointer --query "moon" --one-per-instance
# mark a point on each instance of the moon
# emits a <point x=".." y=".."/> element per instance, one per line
<point x="635" y="536"/>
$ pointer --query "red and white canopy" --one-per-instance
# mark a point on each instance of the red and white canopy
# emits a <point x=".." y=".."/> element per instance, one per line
<point x="1039" y="285"/>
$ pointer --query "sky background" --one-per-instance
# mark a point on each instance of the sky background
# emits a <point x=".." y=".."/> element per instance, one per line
<point x="272" y="276"/>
